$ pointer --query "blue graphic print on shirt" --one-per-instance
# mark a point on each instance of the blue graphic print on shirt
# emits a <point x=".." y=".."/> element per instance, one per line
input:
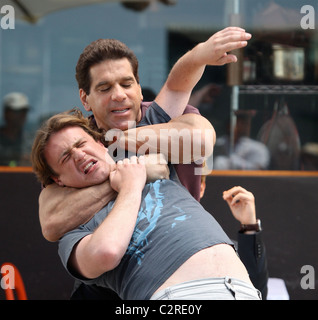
<point x="146" y="222"/>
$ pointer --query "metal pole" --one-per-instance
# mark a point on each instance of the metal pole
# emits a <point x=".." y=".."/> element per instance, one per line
<point x="234" y="75"/>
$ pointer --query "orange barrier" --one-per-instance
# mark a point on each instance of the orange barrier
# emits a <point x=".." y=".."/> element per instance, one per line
<point x="257" y="173"/>
<point x="18" y="283"/>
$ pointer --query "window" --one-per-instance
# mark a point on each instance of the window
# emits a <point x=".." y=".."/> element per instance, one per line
<point x="278" y="71"/>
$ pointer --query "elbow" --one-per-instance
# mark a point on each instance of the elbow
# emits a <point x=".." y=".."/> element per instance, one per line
<point x="102" y="259"/>
<point x="48" y="230"/>
<point x="203" y="136"/>
<point x="48" y="235"/>
<point x="109" y="258"/>
<point x="203" y="143"/>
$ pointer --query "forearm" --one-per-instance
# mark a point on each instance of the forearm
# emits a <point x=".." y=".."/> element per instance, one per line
<point x="185" y="139"/>
<point x="63" y="209"/>
<point x="103" y="250"/>
<point x="188" y="70"/>
<point x="156" y="167"/>
<point x="176" y="92"/>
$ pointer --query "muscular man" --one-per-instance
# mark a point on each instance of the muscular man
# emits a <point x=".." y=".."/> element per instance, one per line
<point x="107" y="75"/>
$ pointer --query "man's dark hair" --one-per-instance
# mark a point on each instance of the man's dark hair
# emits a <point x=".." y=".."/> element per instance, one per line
<point x="99" y="51"/>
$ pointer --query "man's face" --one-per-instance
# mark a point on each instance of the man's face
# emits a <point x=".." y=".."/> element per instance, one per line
<point x="115" y="95"/>
<point x="77" y="158"/>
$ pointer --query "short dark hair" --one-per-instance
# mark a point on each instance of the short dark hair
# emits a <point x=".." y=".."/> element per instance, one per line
<point x="99" y="51"/>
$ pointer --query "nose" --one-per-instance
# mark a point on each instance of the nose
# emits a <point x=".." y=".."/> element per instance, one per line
<point x="78" y="154"/>
<point x="118" y="93"/>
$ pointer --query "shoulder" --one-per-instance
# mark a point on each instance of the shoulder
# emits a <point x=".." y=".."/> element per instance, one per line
<point x="153" y="114"/>
<point x="191" y="109"/>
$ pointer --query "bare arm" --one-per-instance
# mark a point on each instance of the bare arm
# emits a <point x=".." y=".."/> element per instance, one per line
<point x="174" y="96"/>
<point x="175" y="139"/>
<point x="61" y="209"/>
<point x="188" y="70"/>
<point x="156" y="167"/>
<point x="102" y="251"/>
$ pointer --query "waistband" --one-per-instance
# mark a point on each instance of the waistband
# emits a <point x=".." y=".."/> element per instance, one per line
<point x="224" y="288"/>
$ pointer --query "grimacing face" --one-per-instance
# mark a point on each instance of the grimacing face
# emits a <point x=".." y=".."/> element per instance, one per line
<point x="115" y="96"/>
<point x="77" y="158"/>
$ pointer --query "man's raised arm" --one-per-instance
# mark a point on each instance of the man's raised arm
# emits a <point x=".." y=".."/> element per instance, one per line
<point x="174" y="97"/>
<point x="189" y="69"/>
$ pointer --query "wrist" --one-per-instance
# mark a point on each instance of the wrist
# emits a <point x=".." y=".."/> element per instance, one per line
<point x="245" y="221"/>
<point x="131" y="189"/>
<point x="254" y="227"/>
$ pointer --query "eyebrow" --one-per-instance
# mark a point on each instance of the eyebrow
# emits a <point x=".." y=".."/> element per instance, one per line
<point x="68" y="150"/>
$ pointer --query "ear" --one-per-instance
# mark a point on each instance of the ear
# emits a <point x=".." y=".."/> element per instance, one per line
<point x="83" y="97"/>
<point x="100" y="143"/>
<point x="202" y="189"/>
<point x="58" y="181"/>
<point x="141" y="95"/>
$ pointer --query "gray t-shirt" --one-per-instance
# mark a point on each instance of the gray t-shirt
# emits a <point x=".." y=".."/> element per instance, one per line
<point x="171" y="226"/>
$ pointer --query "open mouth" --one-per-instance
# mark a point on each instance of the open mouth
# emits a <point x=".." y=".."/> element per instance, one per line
<point x="89" y="166"/>
<point x="120" y="111"/>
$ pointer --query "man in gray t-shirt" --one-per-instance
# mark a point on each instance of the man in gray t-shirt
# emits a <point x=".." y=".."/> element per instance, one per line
<point x="171" y="226"/>
<point x="152" y="237"/>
